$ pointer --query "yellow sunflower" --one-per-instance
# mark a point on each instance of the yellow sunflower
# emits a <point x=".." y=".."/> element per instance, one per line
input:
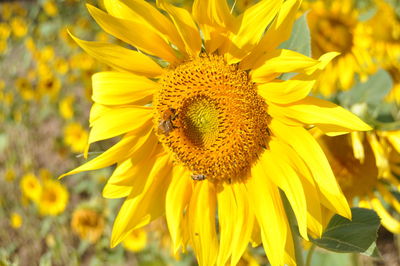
<point x="208" y="128"/>
<point x="31" y="187"/>
<point x="88" y="224"/>
<point x="361" y="163"/>
<point x="53" y="198"/>
<point x="76" y="137"/>
<point x="384" y="43"/>
<point x="334" y="26"/>
<point x="136" y="241"/>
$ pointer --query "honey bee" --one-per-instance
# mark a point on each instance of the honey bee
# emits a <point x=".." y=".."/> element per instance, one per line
<point x="198" y="177"/>
<point x="165" y="126"/>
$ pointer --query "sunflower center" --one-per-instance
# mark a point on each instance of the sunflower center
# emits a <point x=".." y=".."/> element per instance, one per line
<point x="209" y="115"/>
<point x="356" y="178"/>
<point x="330" y="32"/>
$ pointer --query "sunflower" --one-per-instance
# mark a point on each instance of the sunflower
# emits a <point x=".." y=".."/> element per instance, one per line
<point x="136" y="241"/>
<point x="53" y="198"/>
<point x="384" y="43"/>
<point x="88" y="224"/>
<point x="208" y="128"/>
<point x="361" y="163"/>
<point x="76" y="137"/>
<point x="334" y="26"/>
<point x="31" y="187"/>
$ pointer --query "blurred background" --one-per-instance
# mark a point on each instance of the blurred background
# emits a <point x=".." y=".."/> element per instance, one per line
<point x="45" y="90"/>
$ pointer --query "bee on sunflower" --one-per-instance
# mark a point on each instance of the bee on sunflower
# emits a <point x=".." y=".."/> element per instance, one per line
<point x="209" y="129"/>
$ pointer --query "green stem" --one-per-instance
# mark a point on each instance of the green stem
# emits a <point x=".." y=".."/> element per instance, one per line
<point x="292" y="222"/>
<point x="310" y="254"/>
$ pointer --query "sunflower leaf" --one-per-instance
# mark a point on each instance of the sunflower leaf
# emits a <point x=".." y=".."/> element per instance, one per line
<point x="357" y="235"/>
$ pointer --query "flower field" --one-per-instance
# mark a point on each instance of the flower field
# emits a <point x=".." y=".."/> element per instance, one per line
<point x="219" y="132"/>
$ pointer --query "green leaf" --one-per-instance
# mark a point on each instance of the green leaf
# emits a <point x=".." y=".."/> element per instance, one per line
<point x="371" y="92"/>
<point x="300" y="39"/>
<point x="357" y="235"/>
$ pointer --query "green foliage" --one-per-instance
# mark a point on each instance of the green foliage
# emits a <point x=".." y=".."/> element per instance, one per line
<point x="357" y="235"/>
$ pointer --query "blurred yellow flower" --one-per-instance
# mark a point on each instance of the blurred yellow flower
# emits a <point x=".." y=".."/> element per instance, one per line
<point x="88" y="224"/>
<point x="360" y="162"/>
<point x="76" y="137"/>
<point x="136" y="240"/>
<point x="50" y="8"/>
<point x="31" y="187"/>
<point x="24" y="88"/>
<point x="47" y="53"/>
<point x="334" y="26"/>
<point x="49" y="85"/>
<point x="19" y="27"/>
<point x="66" y="108"/>
<point x="5" y="31"/>
<point x="15" y="220"/>
<point x="53" y="199"/>
<point x="61" y="65"/>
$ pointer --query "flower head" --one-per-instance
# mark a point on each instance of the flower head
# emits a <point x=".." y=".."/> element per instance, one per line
<point x="88" y="224"/>
<point x="31" y="187"/>
<point x="209" y="129"/>
<point x="136" y="241"/>
<point x="53" y="198"/>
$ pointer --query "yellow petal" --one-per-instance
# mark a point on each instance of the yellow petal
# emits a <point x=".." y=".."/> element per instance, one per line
<point x="139" y="35"/>
<point x="270" y="214"/>
<point x="276" y="162"/>
<point x="278" y="32"/>
<point x="284" y="92"/>
<point x="143" y="12"/>
<point x="254" y="21"/>
<point x="120" y="120"/>
<point x="244" y="223"/>
<point x="114" y="88"/>
<point x="139" y="210"/>
<point x="201" y="222"/>
<point x="185" y="26"/>
<point x="309" y="150"/>
<point x="387" y="220"/>
<point x="329" y="117"/>
<point x="139" y="165"/>
<point x="177" y="200"/>
<point x="281" y="61"/>
<point x="381" y="157"/>
<point x="111" y="191"/>
<point x="117" y="153"/>
<point x="215" y="20"/>
<point x="121" y="58"/>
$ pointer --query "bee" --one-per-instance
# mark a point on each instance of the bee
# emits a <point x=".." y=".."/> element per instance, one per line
<point x="165" y="126"/>
<point x="198" y="177"/>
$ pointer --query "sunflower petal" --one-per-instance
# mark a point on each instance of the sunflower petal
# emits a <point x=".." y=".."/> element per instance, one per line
<point x="282" y="174"/>
<point x="121" y="58"/>
<point x="139" y="210"/>
<point x="117" y="153"/>
<point x="254" y="21"/>
<point x="329" y="117"/>
<point x="186" y="27"/>
<point x="309" y="150"/>
<point x="143" y="12"/>
<point x="135" y="33"/>
<point x="177" y="200"/>
<point x="284" y="92"/>
<point x="201" y="222"/>
<point x="120" y="120"/>
<point x="270" y="214"/>
<point x="114" y="88"/>
<point x="280" y="61"/>
<point x="111" y="191"/>
<point x="278" y="32"/>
